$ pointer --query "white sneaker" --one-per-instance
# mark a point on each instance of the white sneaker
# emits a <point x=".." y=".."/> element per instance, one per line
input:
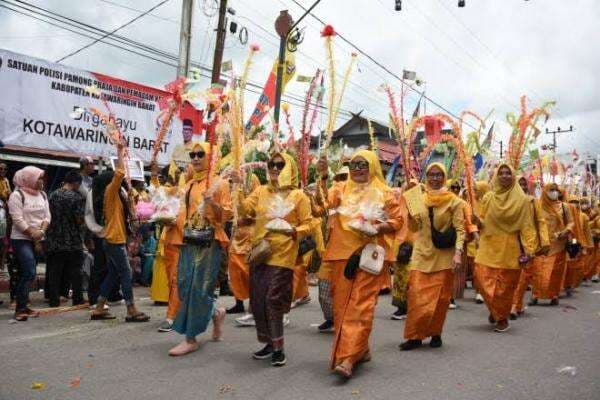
<point x="479" y="299"/>
<point x="106" y="307"/>
<point x="596" y="278"/>
<point x="246" y="320"/>
<point x="452" y="306"/>
<point x="286" y="320"/>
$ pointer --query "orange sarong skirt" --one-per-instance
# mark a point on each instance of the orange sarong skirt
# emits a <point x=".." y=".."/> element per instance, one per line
<point x="575" y="271"/>
<point x="524" y="280"/>
<point x="239" y="276"/>
<point x="548" y="273"/>
<point x="171" y="262"/>
<point x="354" y="304"/>
<point x="589" y="266"/>
<point x="497" y="287"/>
<point x="428" y="300"/>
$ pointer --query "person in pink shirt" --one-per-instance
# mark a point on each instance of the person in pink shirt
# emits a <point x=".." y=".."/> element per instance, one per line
<point x="30" y="213"/>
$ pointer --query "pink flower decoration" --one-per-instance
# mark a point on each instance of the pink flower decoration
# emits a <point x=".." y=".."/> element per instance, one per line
<point x="254" y="47"/>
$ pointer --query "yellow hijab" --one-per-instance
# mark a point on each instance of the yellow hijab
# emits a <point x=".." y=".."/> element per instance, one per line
<point x="505" y="208"/>
<point x="288" y="177"/>
<point x="439" y="197"/>
<point x="553" y="207"/>
<point x="203" y="174"/>
<point x="373" y="190"/>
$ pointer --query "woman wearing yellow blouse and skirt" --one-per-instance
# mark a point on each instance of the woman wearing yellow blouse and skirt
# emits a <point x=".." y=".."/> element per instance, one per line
<point x="271" y="280"/>
<point x="355" y="292"/>
<point x="431" y="278"/>
<point x="507" y="239"/>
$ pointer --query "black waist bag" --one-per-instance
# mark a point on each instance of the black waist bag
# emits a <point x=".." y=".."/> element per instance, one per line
<point x="404" y="253"/>
<point x="352" y="266"/>
<point x="442" y="240"/>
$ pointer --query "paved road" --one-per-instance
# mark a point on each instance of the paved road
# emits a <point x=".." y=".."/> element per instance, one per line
<point x="129" y="361"/>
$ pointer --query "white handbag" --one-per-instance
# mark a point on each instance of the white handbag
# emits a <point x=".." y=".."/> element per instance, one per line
<point x="371" y="258"/>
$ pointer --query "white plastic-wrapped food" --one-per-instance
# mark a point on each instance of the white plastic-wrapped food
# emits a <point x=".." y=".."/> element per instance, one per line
<point x="277" y="210"/>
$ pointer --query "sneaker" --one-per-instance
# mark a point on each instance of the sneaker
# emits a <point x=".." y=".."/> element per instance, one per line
<point x="436" y="342"/>
<point x="286" y="320"/>
<point x="106" y="307"/>
<point x="596" y="278"/>
<point x="479" y="299"/>
<point x="264" y="353"/>
<point x="410" y="344"/>
<point x="246" y="320"/>
<point x="238" y="308"/>
<point x="452" y="306"/>
<point x="278" y="358"/>
<point x="166" y="326"/>
<point x="326" y="326"/>
<point x="513" y="316"/>
<point x="399" y="315"/>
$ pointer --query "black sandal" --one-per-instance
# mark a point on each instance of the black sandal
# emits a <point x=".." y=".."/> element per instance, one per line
<point x="139" y="317"/>
<point x="102" y="317"/>
<point x="21" y="317"/>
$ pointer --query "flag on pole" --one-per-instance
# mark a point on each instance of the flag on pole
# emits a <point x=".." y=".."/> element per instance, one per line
<point x="226" y="66"/>
<point x="267" y="98"/>
<point x="490" y="136"/>
<point x="417" y="108"/>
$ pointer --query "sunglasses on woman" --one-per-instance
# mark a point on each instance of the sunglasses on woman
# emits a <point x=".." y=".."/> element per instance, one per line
<point x="199" y="154"/>
<point x="279" y="165"/>
<point x="354" y="165"/>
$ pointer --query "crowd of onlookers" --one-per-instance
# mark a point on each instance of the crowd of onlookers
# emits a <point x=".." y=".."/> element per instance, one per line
<point x="60" y="229"/>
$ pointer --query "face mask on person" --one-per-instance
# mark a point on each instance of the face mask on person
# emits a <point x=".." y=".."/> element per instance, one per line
<point x="553" y="194"/>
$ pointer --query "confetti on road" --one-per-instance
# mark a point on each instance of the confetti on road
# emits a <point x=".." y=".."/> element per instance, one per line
<point x="38" y="385"/>
<point x="355" y="392"/>
<point x="75" y="382"/>
<point x="225" y="388"/>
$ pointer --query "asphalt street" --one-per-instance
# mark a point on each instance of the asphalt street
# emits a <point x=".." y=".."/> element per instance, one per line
<point x="66" y="356"/>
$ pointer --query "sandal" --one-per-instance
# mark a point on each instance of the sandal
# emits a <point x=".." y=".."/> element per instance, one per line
<point x="139" y="317"/>
<point x="21" y="317"/>
<point x="102" y="316"/>
<point x="343" y="371"/>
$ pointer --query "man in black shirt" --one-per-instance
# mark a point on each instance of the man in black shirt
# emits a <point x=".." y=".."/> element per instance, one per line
<point x="64" y="239"/>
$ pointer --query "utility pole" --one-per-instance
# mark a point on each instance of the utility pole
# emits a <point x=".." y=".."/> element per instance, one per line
<point x="553" y="133"/>
<point x="501" y="150"/>
<point x="220" y="45"/>
<point x="185" y="38"/>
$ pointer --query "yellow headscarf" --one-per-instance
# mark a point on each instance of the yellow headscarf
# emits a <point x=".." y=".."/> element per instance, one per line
<point x="204" y="146"/>
<point x="373" y="190"/>
<point x="288" y="177"/>
<point x="439" y="197"/>
<point x="552" y="206"/>
<point x="505" y="208"/>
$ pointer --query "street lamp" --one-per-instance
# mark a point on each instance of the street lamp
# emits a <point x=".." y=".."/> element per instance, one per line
<point x="461" y="3"/>
<point x="398" y="5"/>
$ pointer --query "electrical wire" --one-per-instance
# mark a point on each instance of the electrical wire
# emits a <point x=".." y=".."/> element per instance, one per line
<point x="112" y="32"/>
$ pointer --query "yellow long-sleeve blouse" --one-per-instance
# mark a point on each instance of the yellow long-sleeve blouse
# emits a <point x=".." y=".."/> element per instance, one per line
<point x="284" y="248"/>
<point x="426" y="257"/>
<point x="503" y="250"/>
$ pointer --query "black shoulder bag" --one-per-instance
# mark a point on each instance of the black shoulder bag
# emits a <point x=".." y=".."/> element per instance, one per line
<point x="442" y="240"/>
<point x="572" y="248"/>
<point x="196" y="237"/>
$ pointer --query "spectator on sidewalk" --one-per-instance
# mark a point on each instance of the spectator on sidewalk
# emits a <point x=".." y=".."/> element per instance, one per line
<point x="86" y="170"/>
<point x="65" y="240"/>
<point x="28" y="206"/>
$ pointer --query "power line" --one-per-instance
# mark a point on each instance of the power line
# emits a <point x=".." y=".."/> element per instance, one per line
<point x="383" y="67"/>
<point x="111" y="32"/>
<point x="290" y="98"/>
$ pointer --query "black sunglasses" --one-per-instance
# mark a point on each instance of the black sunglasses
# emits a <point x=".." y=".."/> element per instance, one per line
<point x="199" y="154"/>
<point x="354" y="165"/>
<point x="276" y="165"/>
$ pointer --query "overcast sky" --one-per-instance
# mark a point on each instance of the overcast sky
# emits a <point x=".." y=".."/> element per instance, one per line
<point x="481" y="57"/>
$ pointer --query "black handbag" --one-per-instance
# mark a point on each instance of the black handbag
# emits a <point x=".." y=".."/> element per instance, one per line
<point x="442" y="240"/>
<point x="307" y="243"/>
<point x="352" y="266"/>
<point x="572" y="248"/>
<point x="202" y="237"/>
<point x="404" y="253"/>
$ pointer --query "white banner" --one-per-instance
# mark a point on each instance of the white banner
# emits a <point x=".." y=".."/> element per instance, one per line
<point x="38" y="99"/>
